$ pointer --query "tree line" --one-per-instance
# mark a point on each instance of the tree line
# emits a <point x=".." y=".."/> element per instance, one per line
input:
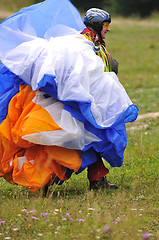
<point x="142" y="8"/>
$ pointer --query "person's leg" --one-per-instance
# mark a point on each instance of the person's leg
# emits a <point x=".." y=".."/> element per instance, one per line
<point x="97" y="170"/>
<point x="97" y="175"/>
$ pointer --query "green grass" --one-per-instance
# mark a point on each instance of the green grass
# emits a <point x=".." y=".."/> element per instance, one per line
<point x="13" y="6"/>
<point x="135" y="45"/>
<point x="134" y="207"/>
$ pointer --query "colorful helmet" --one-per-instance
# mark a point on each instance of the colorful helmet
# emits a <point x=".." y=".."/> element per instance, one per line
<point x="95" y="17"/>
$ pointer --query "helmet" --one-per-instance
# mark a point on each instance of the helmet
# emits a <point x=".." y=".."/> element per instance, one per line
<point x="95" y="17"/>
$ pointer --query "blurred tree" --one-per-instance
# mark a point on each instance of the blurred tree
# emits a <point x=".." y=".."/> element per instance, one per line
<point x="141" y="8"/>
<point x="86" y="4"/>
<point x="37" y="1"/>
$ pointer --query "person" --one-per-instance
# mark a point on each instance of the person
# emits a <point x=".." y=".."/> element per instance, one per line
<point x="61" y="108"/>
<point x="97" y="23"/>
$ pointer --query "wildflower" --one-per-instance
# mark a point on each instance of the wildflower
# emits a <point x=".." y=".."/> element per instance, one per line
<point x="7" y="238"/>
<point x="107" y="229"/>
<point x="71" y="219"/>
<point x="146" y="235"/>
<point x="91" y="209"/>
<point x="40" y="234"/>
<point x="1" y="222"/>
<point x="25" y="211"/>
<point x="19" y="215"/>
<point x="47" y="220"/>
<point x="114" y="222"/>
<point x="15" y="229"/>
<point x="64" y="219"/>
<point x="81" y="220"/>
<point x="67" y="215"/>
<point x="118" y="220"/>
<point x="77" y="220"/>
<point x="33" y="211"/>
<point x="35" y="218"/>
<point x="141" y="196"/>
<point x="56" y="210"/>
<point x="44" y="214"/>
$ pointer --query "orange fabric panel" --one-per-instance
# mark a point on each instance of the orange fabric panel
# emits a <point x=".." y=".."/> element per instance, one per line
<point x="47" y="165"/>
<point x="30" y="175"/>
<point x="68" y="157"/>
<point x="32" y="117"/>
<point x="7" y="147"/>
<point x="42" y="163"/>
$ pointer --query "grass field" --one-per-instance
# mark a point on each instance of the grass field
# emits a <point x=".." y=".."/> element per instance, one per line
<point x="13" y="6"/>
<point x="71" y="211"/>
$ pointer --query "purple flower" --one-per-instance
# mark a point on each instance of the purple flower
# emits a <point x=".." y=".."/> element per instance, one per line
<point x="114" y="222"/>
<point x="44" y="214"/>
<point x="25" y="211"/>
<point x="64" y="219"/>
<point x="118" y="220"/>
<point x="35" y="218"/>
<point x="71" y="219"/>
<point x="1" y="222"/>
<point x="67" y="215"/>
<point x="47" y="220"/>
<point x="33" y="211"/>
<point x="77" y="220"/>
<point x="107" y="229"/>
<point x="146" y="235"/>
<point x="81" y="220"/>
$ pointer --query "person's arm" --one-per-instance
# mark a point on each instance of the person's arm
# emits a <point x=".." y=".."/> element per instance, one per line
<point x="113" y="64"/>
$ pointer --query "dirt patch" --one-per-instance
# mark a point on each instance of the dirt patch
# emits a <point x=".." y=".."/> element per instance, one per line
<point x="148" y="115"/>
<point x="5" y="14"/>
<point x="137" y="125"/>
<point x="128" y="22"/>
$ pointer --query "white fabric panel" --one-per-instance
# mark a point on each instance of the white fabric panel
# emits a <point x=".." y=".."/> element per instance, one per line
<point x="20" y="162"/>
<point x="73" y="135"/>
<point x="79" y="74"/>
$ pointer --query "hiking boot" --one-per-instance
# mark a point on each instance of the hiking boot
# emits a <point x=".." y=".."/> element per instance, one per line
<point x="102" y="184"/>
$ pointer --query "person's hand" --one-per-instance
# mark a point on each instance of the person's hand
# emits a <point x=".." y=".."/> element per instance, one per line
<point x="114" y="65"/>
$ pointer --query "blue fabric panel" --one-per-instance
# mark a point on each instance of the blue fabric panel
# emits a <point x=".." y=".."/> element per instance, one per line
<point x="9" y="86"/>
<point x="48" y="85"/>
<point x="43" y="15"/>
<point x="68" y="174"/>
<point x="114" y="138"/>
<point x="88" y="157"/>
<point x="132" y="113"/>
